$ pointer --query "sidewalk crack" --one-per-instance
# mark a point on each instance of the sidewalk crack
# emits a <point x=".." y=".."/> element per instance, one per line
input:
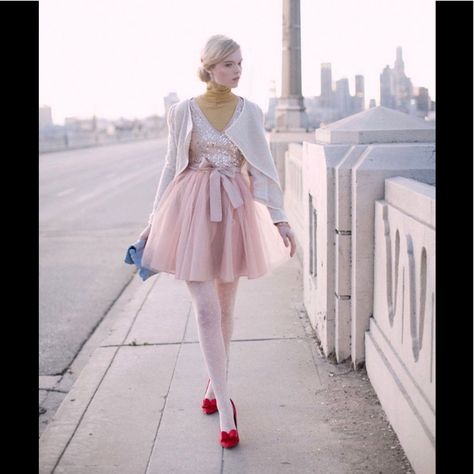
<point x="169" y="387"/>
<point x="141" y="344"/>
<point x="53" y="390"/>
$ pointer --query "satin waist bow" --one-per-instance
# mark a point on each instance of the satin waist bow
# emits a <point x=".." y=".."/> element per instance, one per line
<point x="218" y="175"/>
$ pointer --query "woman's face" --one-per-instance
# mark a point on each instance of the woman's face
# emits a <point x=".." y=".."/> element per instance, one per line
<point x="228" y="71"/>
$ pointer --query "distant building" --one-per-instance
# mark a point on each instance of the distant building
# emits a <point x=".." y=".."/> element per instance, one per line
<point x="169" y="100"/>
<point x="336" y="103"/>
<point x="397" y="91"/>
<point x="45" y="116"/>
<point x="270" y="115"/>
<point x="403" y="86"/>
<point x="422" y="99"/>
<point x="50" y="136"/>
<point x="359" y="85"/>
<point x="343" y="97"/>
<point x="153" y="125"/>
<point x="387" y="88"/>
<point x="358" y="101"/>
<point x="326" y="99"/>
<point x="76" y="124"/>
<point x="333" y="103"/>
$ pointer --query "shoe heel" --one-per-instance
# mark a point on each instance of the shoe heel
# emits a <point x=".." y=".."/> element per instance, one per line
<point x="235" y="412"/>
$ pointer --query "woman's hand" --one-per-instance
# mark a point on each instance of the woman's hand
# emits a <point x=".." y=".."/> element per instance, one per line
<point x="288" y="236"/>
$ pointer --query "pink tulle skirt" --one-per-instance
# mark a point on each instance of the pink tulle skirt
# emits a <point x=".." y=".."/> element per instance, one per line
<point x="184" y="241"/>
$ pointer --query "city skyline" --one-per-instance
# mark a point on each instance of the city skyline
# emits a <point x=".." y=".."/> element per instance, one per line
<point x="95" y="59"/>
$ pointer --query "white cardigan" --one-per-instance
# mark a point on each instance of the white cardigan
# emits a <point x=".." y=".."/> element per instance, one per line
<point x="247" y="132"/>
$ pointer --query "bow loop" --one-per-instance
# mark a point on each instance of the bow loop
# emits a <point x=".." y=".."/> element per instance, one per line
<point x="218" y="175"/>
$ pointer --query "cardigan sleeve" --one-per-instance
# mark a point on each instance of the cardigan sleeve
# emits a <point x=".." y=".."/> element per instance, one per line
<point x="268" y="193"/>
<point x="272" y="198"/>
<point x="169" y="167"/>
<point x="277" y="214"/>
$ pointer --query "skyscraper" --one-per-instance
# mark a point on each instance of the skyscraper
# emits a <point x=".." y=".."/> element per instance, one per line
<point x="423" y="101"/>
<point x="387" y="88"/>
<point x="343" y="98"/>
<point x="358" y="101"/>
<point x="359" y="83"/>
<point x="399" y="66"/>
<point x="45" y="116"/>
<point x="403" y="86"/>
<point x="396" y="89"/>
<point x="326" y="85"/>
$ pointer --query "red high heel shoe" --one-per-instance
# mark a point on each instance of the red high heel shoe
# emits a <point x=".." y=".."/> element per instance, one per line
<point x="209" y="406"/>
<point x="231" y="438"/>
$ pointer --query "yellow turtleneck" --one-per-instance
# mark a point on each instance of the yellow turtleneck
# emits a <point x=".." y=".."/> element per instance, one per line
<point x="218" y="104"/>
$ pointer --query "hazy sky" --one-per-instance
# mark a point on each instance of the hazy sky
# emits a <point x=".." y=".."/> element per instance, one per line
<point x="121" y="57"/>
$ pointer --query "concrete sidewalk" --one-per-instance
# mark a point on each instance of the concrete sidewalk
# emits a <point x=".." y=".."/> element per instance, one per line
<point x="135" y="407"/>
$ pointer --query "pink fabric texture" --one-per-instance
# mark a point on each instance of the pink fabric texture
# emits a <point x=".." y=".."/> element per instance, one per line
<point x="184" y="241"/>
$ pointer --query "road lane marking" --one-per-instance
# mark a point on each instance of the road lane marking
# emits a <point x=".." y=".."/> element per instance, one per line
<point x="113" y="185"/>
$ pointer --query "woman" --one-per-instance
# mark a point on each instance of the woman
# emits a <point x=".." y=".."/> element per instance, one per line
<point x="207" y="225"/>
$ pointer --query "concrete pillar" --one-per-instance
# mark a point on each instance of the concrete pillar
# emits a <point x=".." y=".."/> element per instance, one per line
<point x="290" y="116"/>
<point x="290" y="112"/>
<point x="342" y="235"/>
<point x="318" y="171"/>
<point x="343" y="176"/>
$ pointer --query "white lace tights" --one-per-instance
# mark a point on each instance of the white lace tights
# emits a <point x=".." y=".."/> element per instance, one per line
<point x="213" y="303"/>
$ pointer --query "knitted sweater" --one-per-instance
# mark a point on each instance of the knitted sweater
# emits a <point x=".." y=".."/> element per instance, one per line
<point x="218" y="104"/>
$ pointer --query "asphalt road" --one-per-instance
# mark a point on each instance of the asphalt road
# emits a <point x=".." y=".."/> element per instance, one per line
<point x="93" y="203"/>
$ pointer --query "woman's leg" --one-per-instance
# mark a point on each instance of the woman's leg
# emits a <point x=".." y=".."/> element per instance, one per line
<point x="207" y="310"/>
<point x="227" y="292"/>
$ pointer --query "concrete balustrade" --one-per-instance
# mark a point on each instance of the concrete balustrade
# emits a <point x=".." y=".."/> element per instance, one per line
<point x="318" y="241"/>
<point x="361" y="200"/>
<point x="343" y="175"/>
<point x="376" y="164"/>
<point x="400" y="343"/>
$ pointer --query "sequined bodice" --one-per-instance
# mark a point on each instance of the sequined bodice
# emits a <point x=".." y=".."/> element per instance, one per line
<point x="210" y="146"/>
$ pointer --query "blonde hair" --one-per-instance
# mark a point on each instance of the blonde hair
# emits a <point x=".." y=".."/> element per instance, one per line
<point x="216" y="49"/>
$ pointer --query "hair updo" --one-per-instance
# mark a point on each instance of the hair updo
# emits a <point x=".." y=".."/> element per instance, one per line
<point x="216" y="49"/>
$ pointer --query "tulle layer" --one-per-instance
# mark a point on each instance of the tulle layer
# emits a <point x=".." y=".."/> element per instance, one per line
<point x="184" y="241"/>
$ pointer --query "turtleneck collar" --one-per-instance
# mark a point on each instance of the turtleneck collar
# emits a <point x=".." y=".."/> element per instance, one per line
<point x="217" y="93"/>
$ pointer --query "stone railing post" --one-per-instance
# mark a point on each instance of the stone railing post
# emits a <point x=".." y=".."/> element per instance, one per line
<point x="343" y="176"/>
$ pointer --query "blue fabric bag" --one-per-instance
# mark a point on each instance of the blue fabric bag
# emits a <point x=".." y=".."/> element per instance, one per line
<point x="134" y="257"/>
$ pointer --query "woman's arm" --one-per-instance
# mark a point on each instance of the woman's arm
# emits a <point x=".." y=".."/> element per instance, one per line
<point x="168" y="171"/>
<point x="266" y="188"/>
<point x="169" y="168"/>
<point x="267" y="192"/>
